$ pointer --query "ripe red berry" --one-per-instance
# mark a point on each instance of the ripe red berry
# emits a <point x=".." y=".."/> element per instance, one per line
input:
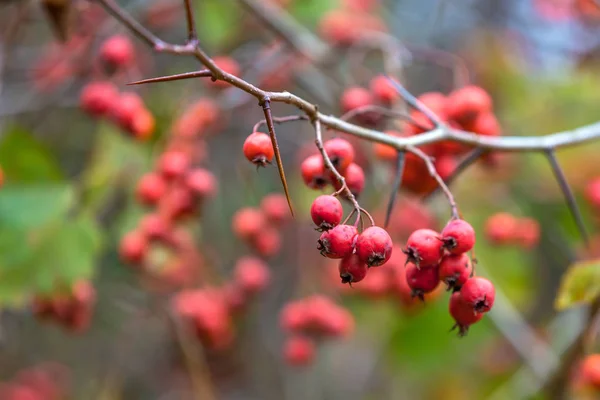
<point x="151" y="188"/>
<point x="268" y="242"/>
<point x="258" y="149"/>
<point x="422" y="280"/>
<point x="313" y="172"/>
<point x="1" y="177"/>
<point x="155" y="226"/>
<point x="479" y="293"/>
<point x="463" y="313"/>
<point x="299" y="351"/>
<point x="142" y="124"/>
<point x="133" y="247"/>
<point x="352" y="269"/>
<point x="247" y="223"/>
<point x="466" y="103"/>
<point x="337" y="242"/>
<point x="201" y="182"/>
<point x="501" y="228"/>
<point x="445" y="166"/>
<point x="355" y="97"/>
<point x="179" y="202"/>
<point x="251" y="274"/>
<point x="485" y="124"/>
<point x="228" y="65"/>
<point x="527" y="233"/>
<point x="97" y="98"/>
<point x="117" y="52"/>
<point x="275" y="208"/>
<point x="374" y="246"/>
<point x="355" y="179"/>
<point x="294" y="317"/>
<point x="592" y="193"/>
<point x="423" y="247"/>
<point x="458" y="236"/>
<point x="455" y="270"/>
<point x="340" y="152"/>
<point x="326" y="212"/>
<point x="125" y="108"/>
<point x="173" y="164"/>
<point x="383" y="90"/>
<point x="589" y="371"/>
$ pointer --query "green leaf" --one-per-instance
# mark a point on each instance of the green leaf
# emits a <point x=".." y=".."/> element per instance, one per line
<point x="29" y="206"/>
<point x="580" y="285"/>
<point x="25" y="159"/>
<point x="218" y="22"/>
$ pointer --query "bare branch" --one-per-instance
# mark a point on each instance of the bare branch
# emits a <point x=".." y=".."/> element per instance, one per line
<point x="415" y="103"/>
<point x="280" y="120"/>
<point x="191" y="24"/>
<point x="386" y="112"/>
<point x="395" y="186"/>
<point x="203" y="73"/>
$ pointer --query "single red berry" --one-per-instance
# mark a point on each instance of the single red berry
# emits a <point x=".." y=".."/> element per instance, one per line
<point x="355" y="97"/>
<point x="527" y="233"/>
<point x="258" y="149"/>
<point x="125" y="108"/>
<point x="466" y="103"/>
<point x="133" y="247"/>
<point x="251" y="274"/>
<point x="485" y="124"/>
<point x="326" y="212"/>
<point x="247" y="223"/>
<point x="201" y="182"/>
<point x="458" y="236"/>
<point x="501" y="228"/>
<point x="299" y="351"/>
<point x="355" y="179"/>
<point x="155" y="226"/>
<point x="228" y="65"/>
<point x="479" y="293"/>
<point x="117" y="52"/>
<point x="377" y="283"/>
<point x="179" y="202"/>
<point x="335" y="321"/>
<point x="98" y="98"/>
<point x="313" y="172"/>
<point x="173" y="164"/>
<point x="592" y="193"/>
<point x="445" y="166"/>
<point x="294" y="317"/>
<point x="151" y="188"/>
<point x="383" y="90"/>
<point x="340" y="152"/>
<point x="423" y="247"/>
<point x="142" y="124"/>
<point x="463" y="313"/>
<point x="422" y="280"/>
<point x="337" y="242"/>
<point x="235" y="297"/>
<point x="268" y="242"/>
<point x="275" y="208"/>
<point x="352" y="269"/>
<point x="374" y="246"/>
<point x="589" y="371"/>
<point x="455" y="270"/>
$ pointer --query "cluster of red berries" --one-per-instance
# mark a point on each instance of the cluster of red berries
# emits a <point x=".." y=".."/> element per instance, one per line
<point x="381" y="92"/>
<point x="506" y="229"/>
<point x="260" y="227"/>
<point x="441" y="257"/>
<point x="70" y="307"/>
<point x="47" y="381"/>
<point x="344" y="26"/>
<point x="309" y="320"/>
<point x="210" y="310"/>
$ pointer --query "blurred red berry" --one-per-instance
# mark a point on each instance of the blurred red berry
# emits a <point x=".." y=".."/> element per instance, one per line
<point x="247" y="223"/>
<point x="251" y="274"/>
<point x="468" y="102"/>
<point x="133" y="247"/>
<point x="151" y="188"/>
<point x="202" y="183"/>
<point x="355" y="97"/>
<point x="355" y="179"/>
<point x="173" y="164"/>
<point x="268" y="242"/>
<point x="500" y="228"/>
<point x="299" y="351"/>
<point x="275" y="208"/>
<point x="98" y="98"/>
<point x="592" y="193"/>
<point x="228" y="65"/>
<point x="117" y="52"/>
<point x="383" y="90"/>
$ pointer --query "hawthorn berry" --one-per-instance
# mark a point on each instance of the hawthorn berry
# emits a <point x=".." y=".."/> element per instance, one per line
<point x="528" y="232"/>
<point x="479" y="293"/>
<point x="313" y="172"/>
<point x="299" y="351"/>
<point x="124" y="109"/>
<point x="151" y="188"/>
<point x="251" y="274"/>
<point x="466" y="103"/>
<point x="117" y="52"/>
<point x="374" y="246"/>
<point x="462" y="313"/>
<point x="247" y="223"/>
<point x="142" y="124"/>
<point x="485" y="124"/>
<point x="589" y="370"/>
<point x="383" y="90"/>
<point x="258" y="149"/>
<point x="275" y="208"/>
<point x="173" y="164"/>
<point x="268" y="242"/>
<point x="377" y="283"/>
<point x="228" y="65"/>
<point x="352" y="269"/>
<point x="501" y="228"/>
<point x="338" y="242"/>
<point x="422" y="280"/>
<point x="294" y="317"/>
<point x="592" y="193"/>
<point x="155" y="226"/>
<point x="458" y="236"/>
<point x="326" y="212"/>
<point x="133" y="247"/>
<point x="385" y="152"/>
<point x="455" y="269"/>
<point x="355" y="179"/>
<point x="445" y="166"/>
<point x="355" y="97"/>
<point x="340" y="152"/>
<point x="423" y="247"/>
<point x="179" y="202"/>
<point x="98" y="98"/>
<point x="201" y="182"/>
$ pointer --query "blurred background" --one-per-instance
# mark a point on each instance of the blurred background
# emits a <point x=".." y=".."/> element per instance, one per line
<point x="83" y="318"/>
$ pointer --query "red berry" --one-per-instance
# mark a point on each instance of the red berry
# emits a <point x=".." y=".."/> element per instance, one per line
<point x="151" y="188"/>
<point x="422" y="280"/>
<point x="501" y="228"/>
<point x="355" y="179"/>
<point x="97" y="98"/>
<point x="355" y="97"/>
<point x="142" y="124"/>
<point x="133" y="247"/>
<point x="251" y="274"/>
<point x="117" y="52"/>
<point x="479" y="293"/>
<point x="201" y="182"/>
<point x="589" y="370"/>
<point x="155" y="226"/>
<point x="458" y="236"/>
<point x="377" y="283"/>
<point x="463" y="313"/>
<point x="466" y="103"/>
<point x="258" y="149"/>
<point x="326" y="212"/>
<point x="592" y="193"/>
<point x="294" y="317"/>
<point x="455" y="270"/>
<point x="235" y="297"/>
<point x="445" y="166"/>
<point x="383" y="90"/>
<point x="528" y="232"/>
<point x="125" y="108"/>
<point x="179" y="202"/>
<point x="268" y="242"/>
<point x="340" y="152"/>
<point x="313" y="172"/>
<point x="275" y="208"/>
<point x="1" y="177"/>
<point x="228" y="65"/>
<point x="352" y="269"/>
<point x="247" y="223"/>
<point x="374" y="246"/>
<point x="299" y="351"/>
<point x="423" y="247"/>
<point x="173" y="164"/>
<point x="338" y="242"/>
<point x="485" y="124"/>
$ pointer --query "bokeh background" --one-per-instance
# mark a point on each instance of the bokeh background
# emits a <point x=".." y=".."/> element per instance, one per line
<point x="69" y="197"/>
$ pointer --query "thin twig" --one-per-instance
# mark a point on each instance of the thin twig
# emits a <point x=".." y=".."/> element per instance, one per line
<point x="569" y="197"/>
<point x="191" y="24"/>
<point x="280" y="120"/>
<point x="203" y="73"/>
<point x="386" y="112"/>
<point x="415" y="103"/>
<point x="400" y="162"/>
